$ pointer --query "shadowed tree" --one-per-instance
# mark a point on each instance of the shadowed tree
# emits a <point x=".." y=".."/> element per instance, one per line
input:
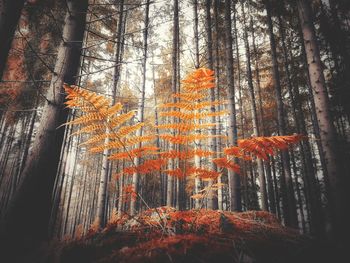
<point x="33" y="196"/>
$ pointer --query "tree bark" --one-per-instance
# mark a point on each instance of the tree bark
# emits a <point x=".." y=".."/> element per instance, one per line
<point x="174" y="87"/>
<point x="211" y="204"/>
<point x="324" y="119"/>
<point x="33" y="196"/>
<point x="288" y="199"/>
<point x="141" y="106"/>
<point x="234" y="183"/>
<point x="260" y="167"/>
<point x="10" y="12"/>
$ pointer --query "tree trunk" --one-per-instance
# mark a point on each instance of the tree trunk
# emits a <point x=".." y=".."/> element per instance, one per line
<point x="217" y="95"/>
<point x="174" y="80"/>
<point x="307" y="164"/>
<point x="288" y="199"/>
<point x="260" y="167"/>
<point x="234" y="183"/>
<point x="102" y="191"/>
<point x="33" y="196"/>
<point x="195" y="31"/>
<point x="324" y="119"/>
<point x="10" y="12"/>
<point x="141" y="106"/>
<point x="212" y="141"/>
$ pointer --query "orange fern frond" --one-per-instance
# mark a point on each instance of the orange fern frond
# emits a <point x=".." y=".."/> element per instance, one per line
<point x="173" y="154"/>
<point x="262" y="147"/>
<point x="197" y="196"/>
<point x="199" y="80"/>
<point x="225" y="163"/>
<point x="183" y="127"/>
<point x="121" y="144"/>
<point x="178" y="173"/>
<point x="204" y="174"/>
<point x="191" y="106"/>
<point x="189" y="96"/>
<point x="86" y="119"/>
<point x="116" y="108"/>
<point x="126" y="130"/>
<point x="75" y="93"/>
<point x="91" y="128"/>
<point x="95" y="139"/>
<point x="138" y="152"/>
<point x="237" y="152"/>
<point x="192" y="115"/>
<point x="186" y="139"/>
<point x="119" y="120"/>
<point x="147" y="167"/>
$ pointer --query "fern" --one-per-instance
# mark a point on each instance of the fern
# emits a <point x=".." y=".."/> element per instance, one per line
<point x="262" y="147"/>
<point x="103" y="121"/>
<point x="109" y="128"/>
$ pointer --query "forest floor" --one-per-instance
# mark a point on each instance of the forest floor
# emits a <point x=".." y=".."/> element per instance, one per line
<point x="167" y="235"/>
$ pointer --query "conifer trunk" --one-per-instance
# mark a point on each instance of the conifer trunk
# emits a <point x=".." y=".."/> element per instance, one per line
<point x="324" y="117"/>
<point x="260" y="167"/>
<point x="10" y="13"/>
<point x="174" y="80"/>
<point x="288" y="199"/>
<point x="33" y="196"/>
<point x="234" y="183"/>
<point x="141" y="106"/>
<point x="212" y="141"/>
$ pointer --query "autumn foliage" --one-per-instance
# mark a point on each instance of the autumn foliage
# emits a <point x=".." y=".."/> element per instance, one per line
<point x="186" y="126"/>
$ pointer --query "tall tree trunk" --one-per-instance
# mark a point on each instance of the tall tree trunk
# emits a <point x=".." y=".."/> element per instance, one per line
<point x="141" y="106"/>
<point x="212" y="141"/>
<point x="260" y="167"/>
<point x="197" y="159"/>
<point x="10" y="12"/>
<point x="324" y="118"/>
<point x="288" y="199"/>
<point x="195" y="31"/>
<point x="103" y="183"/>
<point x="307" y="163"/>
<point x="217" y="95"/>
<point x="174" y="87"/>
<point x="33" y="196"/>
<point x="234" y="183"/>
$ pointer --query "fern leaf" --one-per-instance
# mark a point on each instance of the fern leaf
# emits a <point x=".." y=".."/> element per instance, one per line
<point x="175" y="173"/>
<point x="87" y="119"/>
<point x="126" y="130"/>
<point x="237" y="152"/>
<point x="262" y="147"/>
<point x="147" y="167"/>
<point x="91" y="128"/>
<point x="138" y="152"/>
<point x="225" y="163"/>
<point x="204" y="174"/>
<point x="189" y="96"/>
<point x="120" y="144"/>
<point x="95" y="139"/>
<point x="119" y="120"/>
<point x="114" y="109"/>
<point x="183" y="127"/>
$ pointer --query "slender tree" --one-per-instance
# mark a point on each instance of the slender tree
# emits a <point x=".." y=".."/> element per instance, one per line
<point x="234" y="183"/>
<point x="260" y="166"/>
<point x="33" y="196"/>
<point x="10" y="12"/>
<point x="174" y="85"/>
<point x="212" y="140"/>
<point x="141" y="106"/>
<point x="324" y="118"/>
<point x="288" y="199"/>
